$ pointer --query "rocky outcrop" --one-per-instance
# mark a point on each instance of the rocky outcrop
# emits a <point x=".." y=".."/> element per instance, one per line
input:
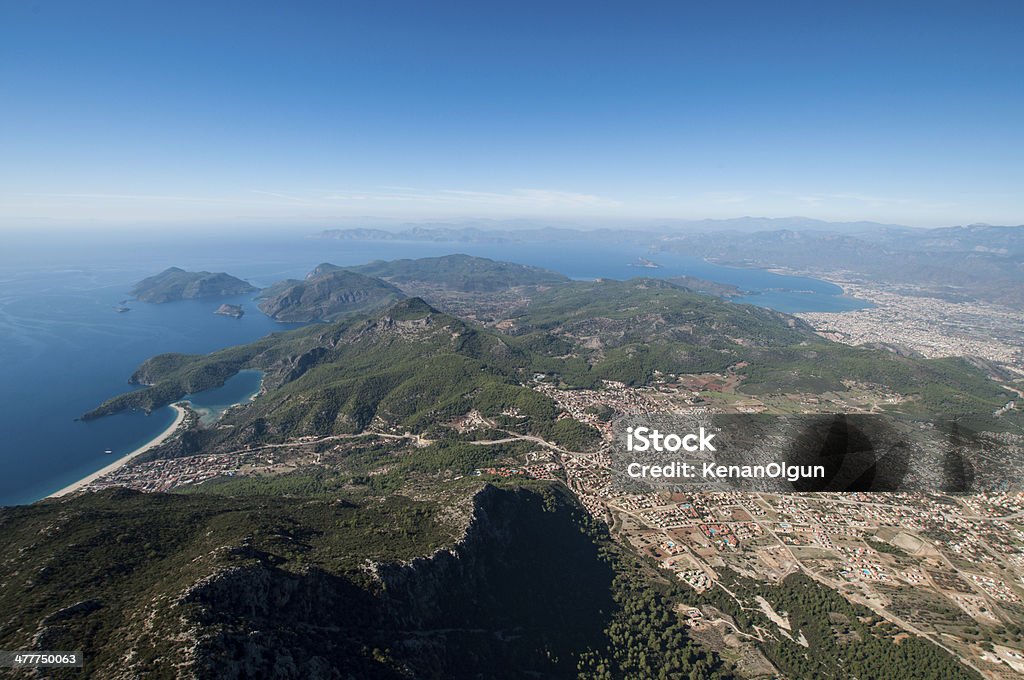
<point x="524" y="590"/>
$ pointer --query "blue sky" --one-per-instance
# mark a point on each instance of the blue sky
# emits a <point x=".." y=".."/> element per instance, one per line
<point x="308" y="112"/>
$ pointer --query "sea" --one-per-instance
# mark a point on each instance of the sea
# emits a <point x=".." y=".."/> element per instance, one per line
<point x="65" y="347"/>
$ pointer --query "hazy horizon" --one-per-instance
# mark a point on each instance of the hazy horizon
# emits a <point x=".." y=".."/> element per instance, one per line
<point x="272" y="227"/>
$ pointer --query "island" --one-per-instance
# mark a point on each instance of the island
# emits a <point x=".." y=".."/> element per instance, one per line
<point x="645" y="263"/>
<point x="174" y="284"/>
<point x="234" y="311"/>
<point x="328" y="293"/>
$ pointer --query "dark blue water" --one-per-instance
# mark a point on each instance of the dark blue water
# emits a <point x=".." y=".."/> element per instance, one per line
<point x="64" y="349"/>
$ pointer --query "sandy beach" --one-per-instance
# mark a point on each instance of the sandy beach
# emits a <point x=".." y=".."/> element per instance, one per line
<point x="123" y="460"/>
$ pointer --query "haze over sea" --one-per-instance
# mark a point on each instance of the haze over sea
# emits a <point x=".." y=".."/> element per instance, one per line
<point x="64" y="348"/>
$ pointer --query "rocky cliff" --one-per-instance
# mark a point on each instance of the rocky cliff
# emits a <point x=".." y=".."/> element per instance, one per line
<point x="520" y="595"/>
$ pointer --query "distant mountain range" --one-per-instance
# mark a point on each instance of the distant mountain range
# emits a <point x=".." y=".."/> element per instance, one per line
<point x="451" y="234"/>
<point x="491" y="231"/>
<point x="520" y="231"/>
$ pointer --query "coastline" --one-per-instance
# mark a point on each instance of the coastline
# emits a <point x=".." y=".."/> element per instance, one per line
<point x="123" y="460"/>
